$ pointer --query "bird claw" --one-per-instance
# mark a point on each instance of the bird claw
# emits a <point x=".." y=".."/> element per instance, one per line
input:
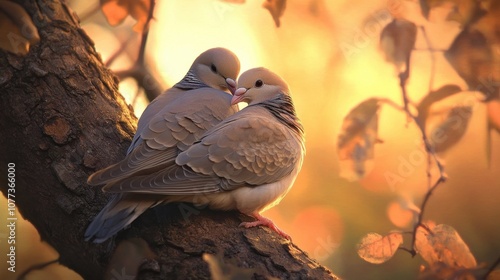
<point x="263" y="221"/>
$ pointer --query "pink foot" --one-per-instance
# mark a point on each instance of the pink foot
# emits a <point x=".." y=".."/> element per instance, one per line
<point x="263" y="221"/>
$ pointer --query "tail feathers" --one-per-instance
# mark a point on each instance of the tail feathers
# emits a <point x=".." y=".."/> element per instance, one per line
<point x="120" y="212"/>
<point x="141" y="159"/>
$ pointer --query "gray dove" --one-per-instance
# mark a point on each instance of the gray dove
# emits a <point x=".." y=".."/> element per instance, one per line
<point x="247" y="162"/>
<point x="171" y="123"/>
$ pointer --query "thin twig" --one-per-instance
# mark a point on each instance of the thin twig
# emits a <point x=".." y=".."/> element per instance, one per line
<point x="136" y="96"/>
<point x="144" y="79"/>
<point x="403" y="78"/>
<point x="118" y="52"/>
<point x="122" y="74"/>
<point x="433" y="58"/>
<point x="392" y="104"/>
<point x="36" y="267"/>
<point x="431" y="83"/>
<point x="406" y="250"/>
<point x="138" y="71"/>
<point x="419" y="222"/>
<point x="144" y="39"/>
<point x="151" y="91"/>
<point x="492" y="268"/>
<point x="145" y="33"/>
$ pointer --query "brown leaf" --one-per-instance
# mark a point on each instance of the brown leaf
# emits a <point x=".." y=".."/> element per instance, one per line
<point x="357" y="139"/>
<point x="397" y="41"/>
<point x="452" y="129"/>
<point x="488" y="5"/>
<point x="445" y="115"/>
<point x="375" y="248"/>
<point x="127" y="258"/>
<point x="494" y="275"/>
<point x="276" y="8"/>
<point x="462" y="11"/>
<point x="465" y="11"/>
<point x="434" y="96"/>
<point x="427" y="5"/>
<point x="475" y="54"/>
<point x="17" y="30"/>
<point x="444" y="245"/>
<point x="116" y="11"/>
<point x="439" y="270"/>
<point x="493" y="108"/>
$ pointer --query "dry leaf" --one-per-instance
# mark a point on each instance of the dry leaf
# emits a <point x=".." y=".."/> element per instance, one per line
<point x="475" y="54"/>
<point x="427" y="5"/>
<point x="465" y="11"/>
<point x="488" y="5"/>
<point x="222" y="271"/>
<point x="434" y="96"/>
<point x="444" y="245"/>
<point x="397" y="41"/>
<point x="375" y="248"/>
<point x="462" y="11"/>
<point x="116" y="11"/>
<point x="127" y="258"/>
<point x="357" y="139"/>
<point x="440" y="270"/>
<point x="452" y="129"/>
<point x="494" y="275"/>
<point x="493" y="108"/>
<point x="276" y="8"/>
<point x="17" y="30"/>
<point x="445" y="115"/>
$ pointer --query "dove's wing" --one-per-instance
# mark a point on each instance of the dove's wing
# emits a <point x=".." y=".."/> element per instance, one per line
<point x="250" y="148"/>
<point x="151" y="111"/>
<point x="171" y="131"/>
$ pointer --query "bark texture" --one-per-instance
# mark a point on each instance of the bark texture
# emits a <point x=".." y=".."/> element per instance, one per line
<point x="62" y="118"/>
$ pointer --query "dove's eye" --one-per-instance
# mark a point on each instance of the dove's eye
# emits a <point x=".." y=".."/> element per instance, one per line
<point x="213" y="68"/>
<point x="258" y="83"/>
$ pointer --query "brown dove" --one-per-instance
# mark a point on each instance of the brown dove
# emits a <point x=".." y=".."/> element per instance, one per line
<point x="247" y="162"/>
<point x="171" y="123"/>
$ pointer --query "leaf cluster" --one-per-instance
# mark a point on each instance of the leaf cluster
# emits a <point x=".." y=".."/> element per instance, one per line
<point x="442" y="117"/>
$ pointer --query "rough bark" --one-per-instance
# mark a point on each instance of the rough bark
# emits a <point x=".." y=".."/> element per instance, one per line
<point x="61" y="119"/>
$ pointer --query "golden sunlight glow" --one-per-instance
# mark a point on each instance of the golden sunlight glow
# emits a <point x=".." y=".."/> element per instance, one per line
<point x="181" y="33"/>
<point x="328" y="52"/>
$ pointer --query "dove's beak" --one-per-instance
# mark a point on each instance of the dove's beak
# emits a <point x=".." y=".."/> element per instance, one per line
<point x="231" y="85"/>
<point x="238" y="96"/>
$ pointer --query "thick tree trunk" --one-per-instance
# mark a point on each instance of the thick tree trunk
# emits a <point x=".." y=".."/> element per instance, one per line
<point x="62" y="118"/>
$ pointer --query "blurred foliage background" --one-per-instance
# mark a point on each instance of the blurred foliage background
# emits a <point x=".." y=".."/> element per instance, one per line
<point x="328" y="52"/>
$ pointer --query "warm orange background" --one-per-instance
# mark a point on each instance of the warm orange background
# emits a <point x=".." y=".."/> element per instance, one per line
<point x="328" y="53"/>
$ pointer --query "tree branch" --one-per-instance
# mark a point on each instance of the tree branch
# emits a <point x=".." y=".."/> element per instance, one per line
<point x="61" y="119"/>
<point x="403" y="78"/>
<point x="419" y="222"/>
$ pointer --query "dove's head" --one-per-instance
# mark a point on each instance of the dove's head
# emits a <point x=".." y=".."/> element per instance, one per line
<point x="257" y="85"/>
<point x="217" y="68"/>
